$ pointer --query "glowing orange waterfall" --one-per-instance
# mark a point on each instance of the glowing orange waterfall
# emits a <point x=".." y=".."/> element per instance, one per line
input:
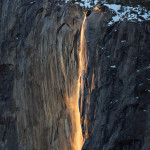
<point x="73" y="102"/>
<point x="82" y="58"/>
<point x="77" y="141"/>
<point x="78" y="138"/>
<point x="73" y="105"/>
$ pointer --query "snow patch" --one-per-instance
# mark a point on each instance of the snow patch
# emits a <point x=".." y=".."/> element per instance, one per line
<point x="148" y="67"/>
<point x="32" y="2"/>
<point x="133" y="14"/>
<point x="85" y="3"/>
<point x="123" y="41"/>
<point x="140" y="84"/>
<point x="113" y="66"/>
<point x="116" y="100"/>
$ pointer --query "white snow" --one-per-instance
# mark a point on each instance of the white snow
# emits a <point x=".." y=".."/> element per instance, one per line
<point x="148" y="67"/>
<point x="123" y="41"/>
<point x="114" y="101"/>
<point x="32" y="2"/>
<point x="114" y="7"/>
<point x="113" y="66"/>
<point x="141" y="84"/>
<point x="138" y="13"/>
<point x="67" y="1"/>
<point x="84" y="3"/>
<point x="130" y="13"/>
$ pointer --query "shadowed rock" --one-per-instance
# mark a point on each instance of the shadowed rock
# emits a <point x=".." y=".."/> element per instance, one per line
<point x="38" y="72"/>
<point x="39" y="62"/>
<point x="115" y="96"/>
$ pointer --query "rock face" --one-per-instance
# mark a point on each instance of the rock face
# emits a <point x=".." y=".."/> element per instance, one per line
<point x="116" y="84"/>
<point x="40" y="64"/>
<point x="38" y="73"/>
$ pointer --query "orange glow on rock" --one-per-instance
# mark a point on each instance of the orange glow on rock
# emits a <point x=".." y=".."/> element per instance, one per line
<point x="82" y="58"/>
<point x="76" y="139"/>
<point x="96" y="8"/>
<point x="73" y="100"/>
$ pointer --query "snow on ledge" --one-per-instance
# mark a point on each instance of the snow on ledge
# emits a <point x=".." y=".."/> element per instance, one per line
<point x="134" y="14"/>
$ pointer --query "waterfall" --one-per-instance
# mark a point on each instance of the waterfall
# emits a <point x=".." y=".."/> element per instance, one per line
<point x="77" y="142"/>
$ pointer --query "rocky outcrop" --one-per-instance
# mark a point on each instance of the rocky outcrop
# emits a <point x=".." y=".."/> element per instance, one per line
<point x="116" y="84"/>
<point x="38" y="73"/>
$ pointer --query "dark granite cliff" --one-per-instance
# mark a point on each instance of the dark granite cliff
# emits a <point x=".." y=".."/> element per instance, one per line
<point x="40" y="64"/>
<point x="116" y="84"/>
<point x="38" y="72"/>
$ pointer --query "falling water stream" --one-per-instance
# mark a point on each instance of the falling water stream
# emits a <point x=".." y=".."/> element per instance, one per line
<point x="82" y="58"/>
<point x="78" y="138"/>
<point x="73" y="101"/>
